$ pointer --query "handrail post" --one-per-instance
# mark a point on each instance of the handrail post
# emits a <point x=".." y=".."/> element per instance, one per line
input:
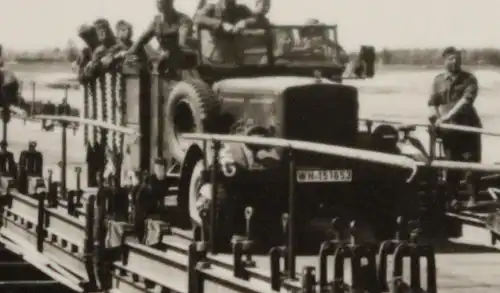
<point x="213" y="244"/>
<point x="63" y="158"/>
<point x="5" y="114"/>
<point x="64" y="109"/>
<point x="40" y="227"/>
<point x="432" y="140"/>
<point x="33" y="97"/>
<point x="292" y="239"/>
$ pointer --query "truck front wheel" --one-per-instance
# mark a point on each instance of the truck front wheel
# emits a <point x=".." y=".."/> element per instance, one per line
<point x="201" y="199"/>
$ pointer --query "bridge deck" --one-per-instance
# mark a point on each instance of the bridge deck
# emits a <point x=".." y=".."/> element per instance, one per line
<point x="461" y="267"/>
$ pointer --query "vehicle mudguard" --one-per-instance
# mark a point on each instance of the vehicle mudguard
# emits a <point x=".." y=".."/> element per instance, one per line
<point x="193" y="155"/>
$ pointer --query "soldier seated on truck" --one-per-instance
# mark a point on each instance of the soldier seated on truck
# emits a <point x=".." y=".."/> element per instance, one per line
<point x="313" y="39"/>
<point x="87" y="34"/>
<point x="124" y="41"/>
<point x="105" y="40"/>
<point x="220" y="26"/>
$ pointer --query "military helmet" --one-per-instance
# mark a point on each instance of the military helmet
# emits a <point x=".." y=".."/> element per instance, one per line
<point x="88" y="34"/>
<point x="101" y="23"/>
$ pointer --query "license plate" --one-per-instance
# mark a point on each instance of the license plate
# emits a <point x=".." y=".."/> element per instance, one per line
<point x="311" y="176"/>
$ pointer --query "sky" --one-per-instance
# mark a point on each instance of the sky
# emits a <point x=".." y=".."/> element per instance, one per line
<point x="38" y="24"/>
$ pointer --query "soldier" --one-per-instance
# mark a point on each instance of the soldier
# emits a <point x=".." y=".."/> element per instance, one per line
<point x="106" y="40"/>
<point x="30" y="165"/>
<point x="8" y="167"/>
<point x="224" y="21"/>
<point x="451" y="101"/>
<point x="314" y="39"/>
<point x="124" y="33"/>
<point x="88" y="34"/>
<point x="171" y="29"/>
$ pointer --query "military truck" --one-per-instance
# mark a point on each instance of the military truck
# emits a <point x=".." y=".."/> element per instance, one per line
<point x="272" y="92"/>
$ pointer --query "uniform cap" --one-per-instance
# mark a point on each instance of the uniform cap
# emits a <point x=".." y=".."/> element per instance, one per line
<point x="309" y="27"/>
<point x="450" y="51"/>
<point x="312" y="21"/>
<point x="32" y="143"/>
<point x="123" y="24"/>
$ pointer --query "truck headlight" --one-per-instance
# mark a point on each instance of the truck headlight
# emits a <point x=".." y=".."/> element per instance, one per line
<point x="384" y="137"/>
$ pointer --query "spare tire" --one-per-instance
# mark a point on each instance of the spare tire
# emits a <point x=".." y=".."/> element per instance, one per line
<point x="191" y="107"/>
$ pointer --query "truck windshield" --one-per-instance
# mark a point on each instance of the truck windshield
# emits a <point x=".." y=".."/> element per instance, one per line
<point x="297" y="45"/>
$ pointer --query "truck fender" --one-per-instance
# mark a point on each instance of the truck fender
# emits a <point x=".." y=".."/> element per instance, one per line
<point x="193" y="155"/>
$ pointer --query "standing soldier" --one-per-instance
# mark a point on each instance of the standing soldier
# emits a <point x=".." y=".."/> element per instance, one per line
<point x="124" y="34"/>
<point x="8" y="166"/>
<point x="88" y="34"/>
<point x="105" y="40"/>
<point x="117" y="52"/>
<point x="30" y="165"/>
<point x="171" y="29"/>
<point x="222" y="23"/>
<point x="452" y="101"/>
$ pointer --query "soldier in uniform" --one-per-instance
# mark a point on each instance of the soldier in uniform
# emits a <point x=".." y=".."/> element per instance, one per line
<point x="171" y="29"/>
<point x="8" y="166"/>
<point x="30" y="165"/>
<point x="88" y="34"/>
<point x="105" y="40"/>
<point x="313" y="39"/>
<point x="221" y="23"/>
<point x="117" y="52"/>
<point x="124" y="34"/>
<point x="452" y="101"/>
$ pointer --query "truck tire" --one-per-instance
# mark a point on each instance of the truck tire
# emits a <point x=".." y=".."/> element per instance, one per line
<point x="191" y="106"/>
<point x="224" y="215"/>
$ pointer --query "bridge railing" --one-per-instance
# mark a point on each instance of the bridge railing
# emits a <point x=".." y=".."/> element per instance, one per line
<point x="434" y="150"/>
<point x="57" y="238"/>
<point x="199" y="266"/>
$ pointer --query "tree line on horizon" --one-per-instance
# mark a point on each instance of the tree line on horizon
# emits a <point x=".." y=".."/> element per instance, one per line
<point x="417" y="57"/>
